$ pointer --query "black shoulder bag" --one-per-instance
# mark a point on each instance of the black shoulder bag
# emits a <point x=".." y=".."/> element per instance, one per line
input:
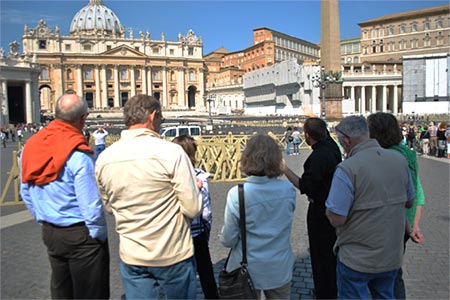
<point x="237" y="284"/>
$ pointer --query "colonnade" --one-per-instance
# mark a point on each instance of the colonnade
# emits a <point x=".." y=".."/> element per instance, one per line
<point x="372" y="97"/>
<point x="139" y="79"/>
<point x="30" y="107"/>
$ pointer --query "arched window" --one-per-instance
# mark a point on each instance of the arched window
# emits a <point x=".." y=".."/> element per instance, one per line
<point x="191" y="75"/>
<point x="172" y="75"/>
<point x="109" y="74"/>
<point x="137" y="74"/>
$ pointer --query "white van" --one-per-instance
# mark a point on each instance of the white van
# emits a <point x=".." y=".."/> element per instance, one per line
<point x="171" y="132"/>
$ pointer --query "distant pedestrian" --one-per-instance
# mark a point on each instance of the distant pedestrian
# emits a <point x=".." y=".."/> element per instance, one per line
<point x="366" y="205"/>
<point x="433" y="139"/>
<point x="100" y="140"/>
<point x="87" y="135"/>
<point x="411" y="136"/>
<point x="296" y="140"/>
<point x="441" y="139"/>
<point x="19" y="134"/>
<point x="3" y="137"/>
<point x="59" y="189"/>
<point x="12" y="132"/>
<point x="425" y="141"/>
<point x="447" y="135"/>
<point x="288" y="138"/>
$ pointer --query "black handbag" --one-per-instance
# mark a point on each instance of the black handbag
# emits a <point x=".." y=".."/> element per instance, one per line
<point x="237" y="284"/>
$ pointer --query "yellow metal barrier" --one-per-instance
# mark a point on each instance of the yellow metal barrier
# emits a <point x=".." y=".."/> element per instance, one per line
<point x="14" y="181"/>
<point x="219" y="155"/>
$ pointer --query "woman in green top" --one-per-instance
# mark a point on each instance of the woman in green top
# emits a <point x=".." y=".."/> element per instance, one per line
<point x="385" y="129"/>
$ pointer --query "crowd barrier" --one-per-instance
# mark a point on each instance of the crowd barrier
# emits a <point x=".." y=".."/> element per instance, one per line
<point x="218" y="155"/>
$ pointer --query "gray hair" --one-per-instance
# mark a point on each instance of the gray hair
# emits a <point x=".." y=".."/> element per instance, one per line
<point x="137" y="109"/>
<point x="353" y="126"/>
<point x="68" y="110"/>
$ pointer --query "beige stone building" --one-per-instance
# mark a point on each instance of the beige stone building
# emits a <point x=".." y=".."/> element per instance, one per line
<point x="101" y="62"/>
<point x="373" y="74"/>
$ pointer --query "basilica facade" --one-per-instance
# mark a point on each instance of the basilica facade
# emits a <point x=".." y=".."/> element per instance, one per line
<point x="108" y="65"/>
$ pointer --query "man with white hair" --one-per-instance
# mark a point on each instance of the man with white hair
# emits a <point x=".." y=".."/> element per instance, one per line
<point x="368" y="194"/>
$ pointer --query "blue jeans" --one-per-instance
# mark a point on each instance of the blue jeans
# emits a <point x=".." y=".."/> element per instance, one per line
<point x="296" y="148"/>
<point x="177" y="281"/>
<point x="352" y="284"/>
<point x="99" y="149"/>
<point x="288" y="148"/>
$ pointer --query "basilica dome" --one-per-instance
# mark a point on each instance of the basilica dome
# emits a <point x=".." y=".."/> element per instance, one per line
<point x="95" y="17"/>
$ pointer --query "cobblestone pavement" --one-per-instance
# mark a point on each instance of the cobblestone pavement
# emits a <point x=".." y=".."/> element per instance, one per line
<point x="25" y="270"/>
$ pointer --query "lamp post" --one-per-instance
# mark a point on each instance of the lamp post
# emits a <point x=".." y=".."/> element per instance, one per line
<point x="209" y="98"/>
<point x="322" y="80"/>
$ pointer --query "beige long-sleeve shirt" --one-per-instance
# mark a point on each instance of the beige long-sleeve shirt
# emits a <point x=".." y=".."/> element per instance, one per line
<point x="150" y="187"/>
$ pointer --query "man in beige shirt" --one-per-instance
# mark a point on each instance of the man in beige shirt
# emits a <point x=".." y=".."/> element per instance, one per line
<point x="149" y="185"/>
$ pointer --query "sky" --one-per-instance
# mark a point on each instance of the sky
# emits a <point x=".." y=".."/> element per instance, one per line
<point x="220" y="23"/>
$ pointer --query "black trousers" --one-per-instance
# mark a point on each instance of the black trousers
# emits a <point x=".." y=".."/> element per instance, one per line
<point x="322" y="237"/>
<point x="204" y="266"/>
<point x="80" y="264"/>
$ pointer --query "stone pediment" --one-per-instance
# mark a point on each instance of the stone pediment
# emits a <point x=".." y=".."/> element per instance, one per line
<point x="125" y="51"/>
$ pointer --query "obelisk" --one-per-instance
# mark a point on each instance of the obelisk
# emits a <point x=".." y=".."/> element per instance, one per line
<point x="330" y="55"/>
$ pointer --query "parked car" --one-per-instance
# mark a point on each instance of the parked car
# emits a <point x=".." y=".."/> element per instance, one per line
<point x="174" y="131"/>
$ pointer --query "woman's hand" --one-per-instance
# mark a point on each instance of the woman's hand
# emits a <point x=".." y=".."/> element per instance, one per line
<point x="416" y="235"/>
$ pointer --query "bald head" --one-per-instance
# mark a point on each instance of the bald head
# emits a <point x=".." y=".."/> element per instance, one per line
<point x="70" y="108"/>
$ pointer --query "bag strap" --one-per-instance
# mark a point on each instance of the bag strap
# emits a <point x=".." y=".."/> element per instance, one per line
<point x="242" y="227"/>
<point x="242" y="224"/>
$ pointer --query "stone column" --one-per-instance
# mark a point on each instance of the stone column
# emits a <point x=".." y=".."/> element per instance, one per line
<point x="133" y="81"/>
<point x="181" y="88"/>
<point x="104" y="87"/>
<point x="384" y="108"/>
<point x="28" y="102"/>
<point x="395" y="100"/>
<point x="149" y="82"/>
<point x="363" y="100"/>
<point x="164" y="91"/>
<point x="80" y="81"/>
<point x="352" y="93"/>
<point x="5" y="111"/>
<point x="373" y="106"/>
<point x="98" y="101"/>
<point x="116" y="87"/>
<point x="144" y="80"/>
<point x="200" y="80"/>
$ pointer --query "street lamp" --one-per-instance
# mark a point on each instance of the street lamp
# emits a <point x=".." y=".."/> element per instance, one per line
<point x="209" y="98"/>
<point x="322" y="80"/>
